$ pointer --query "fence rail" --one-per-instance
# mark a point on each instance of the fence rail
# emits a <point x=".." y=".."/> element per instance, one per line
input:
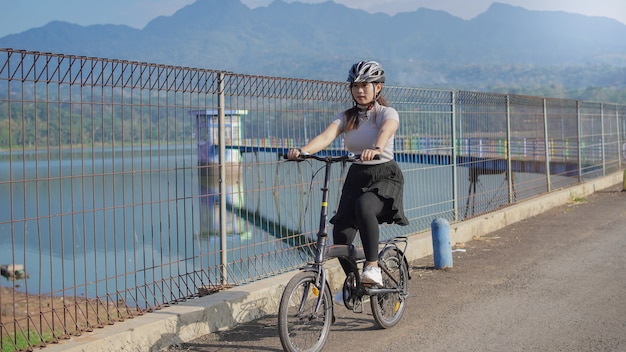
<point x="131" y="186"/>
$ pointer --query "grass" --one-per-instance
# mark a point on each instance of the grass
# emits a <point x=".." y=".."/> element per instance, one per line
<point x="20" y="342"/>
<point x="576" y="199"/>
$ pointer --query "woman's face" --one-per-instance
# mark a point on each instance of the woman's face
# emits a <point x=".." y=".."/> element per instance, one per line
<point x="364" y="93"/>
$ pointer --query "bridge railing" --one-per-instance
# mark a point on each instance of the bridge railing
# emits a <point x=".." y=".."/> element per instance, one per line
<point x="109" y="210"/>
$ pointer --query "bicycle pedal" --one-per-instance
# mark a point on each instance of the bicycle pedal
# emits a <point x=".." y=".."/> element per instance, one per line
<point x="358" y="308"/>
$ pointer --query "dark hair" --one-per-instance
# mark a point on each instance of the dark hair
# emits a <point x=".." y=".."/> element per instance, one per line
<point x="352" y="114"/>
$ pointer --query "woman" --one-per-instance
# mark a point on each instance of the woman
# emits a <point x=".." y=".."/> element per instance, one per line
<point x="372" y="191"/>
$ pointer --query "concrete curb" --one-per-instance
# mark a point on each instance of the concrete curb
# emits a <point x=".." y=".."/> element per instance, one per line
<point x="197" y="317"/>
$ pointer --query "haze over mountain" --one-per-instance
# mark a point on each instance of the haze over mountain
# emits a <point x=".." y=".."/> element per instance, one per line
<point x="508" y="47"/>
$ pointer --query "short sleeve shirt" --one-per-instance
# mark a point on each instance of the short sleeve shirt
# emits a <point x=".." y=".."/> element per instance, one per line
<point x="365" y="135"/>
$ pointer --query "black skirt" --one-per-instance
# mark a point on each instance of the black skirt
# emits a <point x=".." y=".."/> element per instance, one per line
<point x="386" y="180"/>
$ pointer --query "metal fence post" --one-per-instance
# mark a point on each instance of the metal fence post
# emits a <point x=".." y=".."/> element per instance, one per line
<point x="547" y="143"/>
<point x="580" y="142"/>
<point x="455" y="195"/>
<point x="603" y="148"/>
<point x="221" y="180"/>
<point x="509" y="169"/>
<point x="619" y="138"/>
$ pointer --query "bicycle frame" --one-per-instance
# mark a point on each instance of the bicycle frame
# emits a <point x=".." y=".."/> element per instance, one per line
<point x="306" y="309"/>
<point x="322" y="233"/>
<point x="323" y="250"/>
<point x="348" y="252"/>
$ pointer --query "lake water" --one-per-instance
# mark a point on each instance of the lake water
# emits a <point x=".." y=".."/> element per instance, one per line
<point x="113" y="221"/>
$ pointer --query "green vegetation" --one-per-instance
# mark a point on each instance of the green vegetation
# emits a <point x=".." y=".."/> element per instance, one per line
<point x="575" y="198"/>
<point x="590" y="82"/>
<point x="23" y="342"/>
<point x="48" y="125"/>
<point x="93" y="116"/>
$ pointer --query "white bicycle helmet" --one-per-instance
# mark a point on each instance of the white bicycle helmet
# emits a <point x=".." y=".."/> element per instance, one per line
<point x="367" y="72"/>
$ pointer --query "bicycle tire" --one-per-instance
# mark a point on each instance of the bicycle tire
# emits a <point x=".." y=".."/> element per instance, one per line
<point x="299" y="328"/>
<point x="388" y="308"/>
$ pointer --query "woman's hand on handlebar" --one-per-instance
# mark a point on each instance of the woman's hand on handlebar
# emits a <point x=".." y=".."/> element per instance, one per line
<point x="370" y="154"/>
<point x="294" y="154"/>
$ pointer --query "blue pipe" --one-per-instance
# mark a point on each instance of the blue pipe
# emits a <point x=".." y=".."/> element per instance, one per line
<point x="442" y="249"/>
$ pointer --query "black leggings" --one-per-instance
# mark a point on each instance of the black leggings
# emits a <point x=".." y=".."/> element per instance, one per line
<point x="367" y="209"/>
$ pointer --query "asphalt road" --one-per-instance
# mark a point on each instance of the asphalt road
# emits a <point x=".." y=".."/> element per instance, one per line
<point x="555" y="282"/>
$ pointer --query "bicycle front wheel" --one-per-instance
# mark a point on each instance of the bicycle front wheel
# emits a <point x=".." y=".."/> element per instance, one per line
<point x="388" y="308"/>
<point x="300" y="327"/>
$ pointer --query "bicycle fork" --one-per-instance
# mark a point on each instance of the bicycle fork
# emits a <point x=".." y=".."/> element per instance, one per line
<point x="321" y="278"/>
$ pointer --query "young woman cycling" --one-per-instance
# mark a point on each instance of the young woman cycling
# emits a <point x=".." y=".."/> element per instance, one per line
<point x="372" y="191"/>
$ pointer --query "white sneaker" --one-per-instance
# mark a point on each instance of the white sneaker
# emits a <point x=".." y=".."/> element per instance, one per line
<point x="372" y="275"/>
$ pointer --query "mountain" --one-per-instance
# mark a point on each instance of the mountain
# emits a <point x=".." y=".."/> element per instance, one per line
<point x="320" y="41"/>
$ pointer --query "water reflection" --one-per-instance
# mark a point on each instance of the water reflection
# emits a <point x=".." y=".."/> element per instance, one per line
<point x="209" y="189"/>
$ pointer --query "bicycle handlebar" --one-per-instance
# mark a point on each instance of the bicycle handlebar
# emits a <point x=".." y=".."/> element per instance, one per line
<point x="350" y="157"/>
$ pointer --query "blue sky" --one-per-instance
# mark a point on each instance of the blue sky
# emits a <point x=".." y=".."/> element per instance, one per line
<point x="19" y="15"/>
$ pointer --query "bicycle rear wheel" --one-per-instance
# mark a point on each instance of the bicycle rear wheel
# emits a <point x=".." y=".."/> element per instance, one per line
<point x="388" y="308"/>
<point x="300" y="327"/>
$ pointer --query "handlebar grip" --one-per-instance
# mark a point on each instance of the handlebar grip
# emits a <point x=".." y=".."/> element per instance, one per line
<point x="285" y="157"/>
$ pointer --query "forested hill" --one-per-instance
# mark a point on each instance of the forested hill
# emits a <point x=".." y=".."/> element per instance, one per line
<point x="506" y="48"/>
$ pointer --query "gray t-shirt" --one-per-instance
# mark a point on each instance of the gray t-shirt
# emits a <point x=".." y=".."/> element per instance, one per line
<point x="366" y="134"/>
